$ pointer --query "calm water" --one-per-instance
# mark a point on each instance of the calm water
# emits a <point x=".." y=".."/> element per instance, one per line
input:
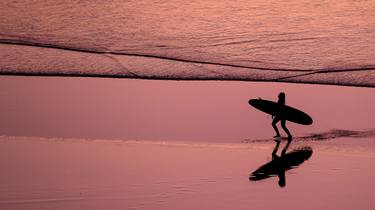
<point x="242" y="40"/>
<point x="209" y="111"/>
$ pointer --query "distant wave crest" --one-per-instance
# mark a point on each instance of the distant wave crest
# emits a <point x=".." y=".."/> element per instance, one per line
<point x="29" y="58"/>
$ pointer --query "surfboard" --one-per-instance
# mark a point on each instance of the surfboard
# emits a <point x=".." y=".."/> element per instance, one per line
<point x="291" y="114"/>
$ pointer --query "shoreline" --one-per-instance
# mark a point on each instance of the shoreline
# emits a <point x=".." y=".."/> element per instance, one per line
<point x="187" y="79"/>
<point x="343" y="144"/>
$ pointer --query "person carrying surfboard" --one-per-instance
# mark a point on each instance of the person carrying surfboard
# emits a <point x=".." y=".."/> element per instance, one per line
<point x="281" y="112"/>
<point x="280" y="116"/>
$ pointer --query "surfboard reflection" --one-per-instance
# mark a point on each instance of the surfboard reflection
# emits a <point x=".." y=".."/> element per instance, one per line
<point x="282" y="163"/>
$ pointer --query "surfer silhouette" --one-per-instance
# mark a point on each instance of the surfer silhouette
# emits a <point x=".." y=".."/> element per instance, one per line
<point x="281" y="112"/>
<point x="280" y="116"/>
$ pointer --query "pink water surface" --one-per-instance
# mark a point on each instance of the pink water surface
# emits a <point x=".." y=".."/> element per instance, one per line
<point x="209" y="111"/>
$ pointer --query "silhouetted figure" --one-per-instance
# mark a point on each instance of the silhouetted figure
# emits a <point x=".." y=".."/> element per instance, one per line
<point x="282" y="163"/>
<point x="280" y="116"/>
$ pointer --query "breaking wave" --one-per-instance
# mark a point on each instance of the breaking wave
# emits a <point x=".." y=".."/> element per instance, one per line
<point x="128" y="65"/>
<point x="226" y="40"/>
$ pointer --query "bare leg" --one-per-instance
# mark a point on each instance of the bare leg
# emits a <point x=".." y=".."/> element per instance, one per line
<point x="285" y="149"/>
<point x="274" y="156"/>
<point x="283" y="122"/>
<point x="274" y="121"/>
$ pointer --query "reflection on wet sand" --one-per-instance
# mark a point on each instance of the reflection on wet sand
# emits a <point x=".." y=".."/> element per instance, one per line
<point x="282" y="163"/>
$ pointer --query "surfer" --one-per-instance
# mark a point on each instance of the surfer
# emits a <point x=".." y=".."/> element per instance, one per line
<point x="280" y="116"/>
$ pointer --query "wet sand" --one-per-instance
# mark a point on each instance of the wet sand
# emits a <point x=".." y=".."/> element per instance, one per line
<point x="102" y="174"/>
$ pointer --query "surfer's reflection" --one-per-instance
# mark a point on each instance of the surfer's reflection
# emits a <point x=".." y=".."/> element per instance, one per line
<point x="280" y="164"/>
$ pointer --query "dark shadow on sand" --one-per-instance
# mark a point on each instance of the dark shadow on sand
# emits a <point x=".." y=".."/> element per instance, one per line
<point x="282" y="163"/>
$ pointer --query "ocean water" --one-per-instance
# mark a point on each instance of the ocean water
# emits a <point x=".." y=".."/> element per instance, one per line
<point x="330" y="42"/>
<point x="195" y="111"/>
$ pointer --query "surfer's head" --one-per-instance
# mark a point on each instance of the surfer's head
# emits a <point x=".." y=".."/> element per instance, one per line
<point x="282" y="95"/>
<point x="282" y="179"/>
<point x="282" y="182"/>
<point x="281" y="98"/>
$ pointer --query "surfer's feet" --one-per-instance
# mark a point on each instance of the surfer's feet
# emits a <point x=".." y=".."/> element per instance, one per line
<point x="277" y="138"/>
